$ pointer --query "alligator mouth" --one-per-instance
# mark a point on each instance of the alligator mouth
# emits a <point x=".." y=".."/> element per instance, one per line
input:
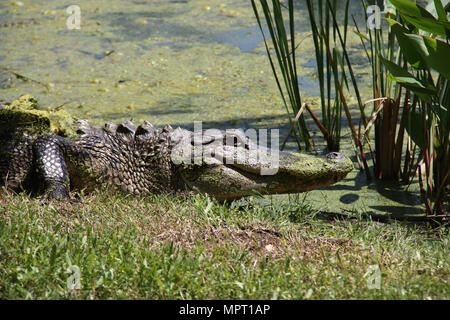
<point x="296" y="173"/>
<point x="298" y="164"/>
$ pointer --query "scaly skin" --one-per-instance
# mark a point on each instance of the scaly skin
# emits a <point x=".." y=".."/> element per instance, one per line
<point x="142" y="160"/>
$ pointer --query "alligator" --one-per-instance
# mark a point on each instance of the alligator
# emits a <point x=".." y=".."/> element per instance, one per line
<point x="52" y="162"/>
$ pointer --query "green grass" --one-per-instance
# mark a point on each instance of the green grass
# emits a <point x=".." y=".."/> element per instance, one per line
<point x="195" y="248"/>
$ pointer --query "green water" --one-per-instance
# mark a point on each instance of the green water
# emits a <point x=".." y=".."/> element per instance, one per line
<point x="173" y="62"/>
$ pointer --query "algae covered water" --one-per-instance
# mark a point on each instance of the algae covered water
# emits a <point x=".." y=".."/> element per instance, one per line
<point x="176" y="62"/>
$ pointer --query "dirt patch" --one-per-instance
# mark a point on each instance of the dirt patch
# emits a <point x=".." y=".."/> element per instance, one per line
<point x="258" y="240"/>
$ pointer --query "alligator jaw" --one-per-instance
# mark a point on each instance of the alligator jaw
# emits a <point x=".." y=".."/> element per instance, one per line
<point x="296" y="173"/>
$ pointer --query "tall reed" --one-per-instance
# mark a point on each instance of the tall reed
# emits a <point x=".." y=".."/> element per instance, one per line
<point x="285" y="51"/>
<point x="387" y="99"/>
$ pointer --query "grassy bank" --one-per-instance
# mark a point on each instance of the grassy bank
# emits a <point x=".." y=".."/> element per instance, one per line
<point x="193" y="248"/>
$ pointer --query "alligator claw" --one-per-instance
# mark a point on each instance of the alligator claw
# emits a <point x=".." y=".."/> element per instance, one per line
<point x="58" y="193"/>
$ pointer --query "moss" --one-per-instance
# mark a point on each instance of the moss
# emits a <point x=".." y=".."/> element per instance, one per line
<point x="25" y="113"/>
<point x="310" y="165"/>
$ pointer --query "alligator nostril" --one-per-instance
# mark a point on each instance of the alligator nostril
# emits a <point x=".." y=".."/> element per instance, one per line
<point x="334" y="155"/>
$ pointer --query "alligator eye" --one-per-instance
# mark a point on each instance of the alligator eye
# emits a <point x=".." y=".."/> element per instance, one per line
<point x="198" y="140"/>
<point x="235" y="141"/>
<point x="334" y="155"/>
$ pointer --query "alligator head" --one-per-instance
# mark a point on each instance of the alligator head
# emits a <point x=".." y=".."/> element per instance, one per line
<point x="228" y="165"/>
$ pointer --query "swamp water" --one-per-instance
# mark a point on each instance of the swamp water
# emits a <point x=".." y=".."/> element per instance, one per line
<point x="175" y="62"/>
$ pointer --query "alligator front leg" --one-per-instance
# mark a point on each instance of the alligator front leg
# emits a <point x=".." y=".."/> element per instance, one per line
<point x="51" y="168"/>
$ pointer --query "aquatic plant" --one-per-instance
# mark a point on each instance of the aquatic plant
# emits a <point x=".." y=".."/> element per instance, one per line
<point x="337" y="62"/>
<point x="423" y="40"/>
<point x="411" y="94"/>
<point x="387" y="96"/>
<point x="285" y="49"/>
<point x="327" y="64"/>
<point x="410" y="71"/>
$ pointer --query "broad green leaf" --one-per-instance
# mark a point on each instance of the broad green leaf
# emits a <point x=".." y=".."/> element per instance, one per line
<point x="430" y="25"/>
<point x="410" y="8"/>
<point x="436" y="8"/>
<point x="407" y="80"/>
<point x="408" y="48"/>
<point x="440" y="10"/>
<point x="421" y="18"/>
<point x="436" y="53"/>
<point x="416" y="130"/>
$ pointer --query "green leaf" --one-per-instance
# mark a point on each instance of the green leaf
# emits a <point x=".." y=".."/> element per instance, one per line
<point x="362" y="36"/>
<point x="407" y="80"/>
<point x="442" y="14"/>
<point x="416" y="130"/>
<point x="421" y="18"/>
<point x="430" y="25"/>
<point x="436" y="6"/>
<point x="411" y="8"/>
<point x="408" y="48"/>
<point x="436" y="53"/>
